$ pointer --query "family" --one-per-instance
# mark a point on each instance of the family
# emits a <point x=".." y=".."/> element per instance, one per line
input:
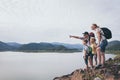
<point x="91" y="49"/>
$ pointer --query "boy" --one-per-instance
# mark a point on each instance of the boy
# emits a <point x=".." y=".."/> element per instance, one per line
<point x="87" y="53"/>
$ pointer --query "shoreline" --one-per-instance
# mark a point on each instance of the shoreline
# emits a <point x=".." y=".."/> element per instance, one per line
<point x="62" y="51"/>
<point x="46" y="51"/>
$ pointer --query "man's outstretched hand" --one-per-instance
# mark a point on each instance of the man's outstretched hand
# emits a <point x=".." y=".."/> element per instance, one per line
<point x="70" y="36"/>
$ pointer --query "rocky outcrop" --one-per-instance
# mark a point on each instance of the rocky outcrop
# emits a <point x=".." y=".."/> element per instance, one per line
<point x="111" y="71"/>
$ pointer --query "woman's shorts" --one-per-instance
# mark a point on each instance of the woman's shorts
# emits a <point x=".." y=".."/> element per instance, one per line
<point x="103" y="45"/>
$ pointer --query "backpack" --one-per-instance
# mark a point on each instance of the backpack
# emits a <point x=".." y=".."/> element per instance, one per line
<point x="107" y="33"/>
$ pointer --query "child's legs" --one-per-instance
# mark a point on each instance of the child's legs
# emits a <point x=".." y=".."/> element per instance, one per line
<point x="90" y="58"/>
<point x="95" y="58"/>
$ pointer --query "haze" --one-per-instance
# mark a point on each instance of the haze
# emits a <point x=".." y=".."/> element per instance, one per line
<point x="54" y="20"/>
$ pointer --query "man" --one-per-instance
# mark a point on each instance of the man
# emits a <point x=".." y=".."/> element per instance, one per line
<point x="101" y="46"/>
<point x="85" y="37"/>
<point x="86" y="41"/>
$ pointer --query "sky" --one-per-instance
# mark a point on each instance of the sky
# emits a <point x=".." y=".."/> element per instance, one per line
<point x="27" y="21"/>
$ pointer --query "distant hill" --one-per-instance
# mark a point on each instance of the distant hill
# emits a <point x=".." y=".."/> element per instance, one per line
<point x="114" y="45"/>
<point x="14" y="44"/>
<point x="40" y="46"/>
<point x="5" y="47"/>
<point x="69" y="46"/>
<point x="55" y="46"/>
<point x="43" y="46"/>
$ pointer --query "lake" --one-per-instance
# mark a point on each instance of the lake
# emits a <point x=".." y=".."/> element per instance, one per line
<point x="39" y="66"/>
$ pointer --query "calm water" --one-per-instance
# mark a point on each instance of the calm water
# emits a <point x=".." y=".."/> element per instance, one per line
<point x="39" y="66"/>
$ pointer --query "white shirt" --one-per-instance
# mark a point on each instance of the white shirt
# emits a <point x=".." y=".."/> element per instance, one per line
<point x="85" y="48"/>
<point x="101" y="32"/>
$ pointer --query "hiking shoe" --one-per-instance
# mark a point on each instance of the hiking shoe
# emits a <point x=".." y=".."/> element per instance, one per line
<point x="92" y="67"/>
<point x="98" y="66"/>
<point x="102" y="66"/>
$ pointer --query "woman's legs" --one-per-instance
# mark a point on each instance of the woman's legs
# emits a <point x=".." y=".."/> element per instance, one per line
<point x="102" y="50"/>
<point x="99" y="55"/>
<point x="102" y="58"/>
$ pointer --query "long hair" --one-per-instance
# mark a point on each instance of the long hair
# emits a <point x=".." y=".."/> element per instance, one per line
<point x="95" y="25"/>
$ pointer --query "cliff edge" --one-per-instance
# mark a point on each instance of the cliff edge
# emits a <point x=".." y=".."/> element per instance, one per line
<point x="111" y="71"/>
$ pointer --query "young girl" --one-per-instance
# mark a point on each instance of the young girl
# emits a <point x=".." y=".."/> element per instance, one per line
<point x="94" y="47"/>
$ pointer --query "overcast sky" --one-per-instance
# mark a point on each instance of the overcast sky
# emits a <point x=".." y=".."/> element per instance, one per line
<point x="27" y="21"/>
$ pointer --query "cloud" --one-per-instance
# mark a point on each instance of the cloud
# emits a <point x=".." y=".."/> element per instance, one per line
<point x="53" y="20"/>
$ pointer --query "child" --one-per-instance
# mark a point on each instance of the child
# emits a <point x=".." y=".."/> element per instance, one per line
<point x="87" y="53"/>
<point x="94" y="47"/>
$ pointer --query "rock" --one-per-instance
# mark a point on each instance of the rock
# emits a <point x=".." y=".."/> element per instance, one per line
<point x="77" y="75"/>
<point x="110" y="59"/>
<point x="111" y="71"/>
<point x="119" y="72"/>
<point x="110" y="77"/>
<point x="97" y="78"/>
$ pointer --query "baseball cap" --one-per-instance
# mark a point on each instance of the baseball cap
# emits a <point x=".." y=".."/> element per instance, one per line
<point x="86" y="33"/>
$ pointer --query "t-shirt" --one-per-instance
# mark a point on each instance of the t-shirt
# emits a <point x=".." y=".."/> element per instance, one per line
<point x="93" y="46"/>
<point x="86" y="48"/>
<point x="102" y="34"/>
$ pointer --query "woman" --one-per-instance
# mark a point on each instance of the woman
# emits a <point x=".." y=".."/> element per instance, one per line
<point x="101" y="46"/>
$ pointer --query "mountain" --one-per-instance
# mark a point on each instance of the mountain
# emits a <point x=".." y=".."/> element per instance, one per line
<point x="40" y="46"/>
<point x="55" y="46"/>
<point x="14" y="44"/>
<point x="43" y="46"/>
<point x="114" y="45"/>
<point x="69" y="46"/>
<point x="5" y="47"/>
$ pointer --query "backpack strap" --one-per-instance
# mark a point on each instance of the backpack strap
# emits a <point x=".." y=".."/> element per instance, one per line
<point x="102" y="34"/>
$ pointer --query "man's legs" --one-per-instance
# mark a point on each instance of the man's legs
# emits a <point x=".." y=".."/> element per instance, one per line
<point x="86" y="61"/>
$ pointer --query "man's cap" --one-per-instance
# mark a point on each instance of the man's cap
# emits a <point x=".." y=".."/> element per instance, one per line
<point x="86" y="33"/>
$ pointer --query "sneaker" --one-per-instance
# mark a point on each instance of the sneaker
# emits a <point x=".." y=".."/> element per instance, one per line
<point x="98" y="66"/>
<point x="92" y="67"/>
<point x="102" y="66"/>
